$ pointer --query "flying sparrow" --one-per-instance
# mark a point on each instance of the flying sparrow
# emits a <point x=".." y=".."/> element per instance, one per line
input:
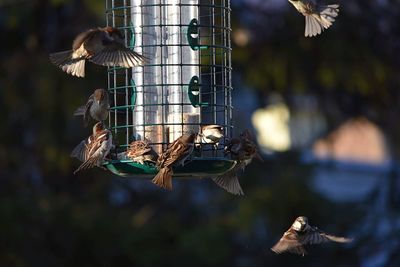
<point x="96" y="107"/>
<point x="94" y="149"/>
<point x="318" y="17"/>
<point x="210" y="134"/>
<point x="140" y="151"/>
<point x="300" y="234"/>
<point x="175" y="155"/>
<point x="102" y="46"/>
<point x="242" y="150"/>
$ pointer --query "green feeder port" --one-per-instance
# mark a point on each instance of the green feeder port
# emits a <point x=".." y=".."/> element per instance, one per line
<point x="184" y="84"/>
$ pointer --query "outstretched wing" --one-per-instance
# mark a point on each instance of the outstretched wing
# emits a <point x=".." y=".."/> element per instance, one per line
<point x="79" y="151"/>
<point x="315" y="236"/>
<point x="116" y="54"/>
<point x="289" y="243"/>
<point x="93" y="151"/>
<point x="83" y="37"/>
<point x="229" y="182"/>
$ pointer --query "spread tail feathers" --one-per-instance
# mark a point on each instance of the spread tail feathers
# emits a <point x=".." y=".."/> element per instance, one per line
<point x="164" y="178"/>
<point x="73" y="66"/>
<point x="230" y="182"/>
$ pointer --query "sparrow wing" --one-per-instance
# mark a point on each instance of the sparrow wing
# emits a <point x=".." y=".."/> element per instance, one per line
<point x="83" y="37"/>
<point x="315" y="236"/>
<point x="88" y="105"/>
<point x="322" y="19"/>
<point x="92" y="151"/>
<point x="61" y="58"/>
<point x="230" y="182"/>
<point x="329" y="12"/>
<point x="80" y="111"/>
<point x="79" y="151"/>
<point x="116" y="54"/>
<point x="85" y="110"/>
<point x="338" y="239"/>
<point x="289" y="243"/>
<point x="175" y="153"/>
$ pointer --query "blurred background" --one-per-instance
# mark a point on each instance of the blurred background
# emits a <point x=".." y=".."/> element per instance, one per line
<point x="325" y="111"/>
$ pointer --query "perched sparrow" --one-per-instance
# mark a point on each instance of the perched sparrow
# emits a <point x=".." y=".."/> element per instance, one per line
<point x="300" y="234"/>
<point x="140" y="151"/>
<point x="102" y="46"/>
<point x="94" y="149"/>
<point x="243" y="150"/>
<point x="96" y="107"/>
<point x="175" y="155"/>
<point x="210" y="134"/>
<point x="318" y="17"/>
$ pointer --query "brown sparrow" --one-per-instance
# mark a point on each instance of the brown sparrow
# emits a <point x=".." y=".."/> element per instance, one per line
<point x="94" y="149"/>
<point x="140" y="151"/>
<point x="300" y="234"/>
<point x="318" y="17"/>
<point x="175" y="155"/>
<point x="102" y="46"/>
<point x="242" y="150"/>
<point x="96" y="107"/>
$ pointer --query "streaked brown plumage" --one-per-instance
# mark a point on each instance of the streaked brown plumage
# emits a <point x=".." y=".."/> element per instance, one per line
<point x="96" y="107"/>
<point x="175" y="155"/>
<point x="300" y="234"/>
<point x="94" y="149"/>
<point x="243" y="150"/>
<point x="102" y="46"/>
<point x="318" y="17"/>
<point x="140" y="151"/>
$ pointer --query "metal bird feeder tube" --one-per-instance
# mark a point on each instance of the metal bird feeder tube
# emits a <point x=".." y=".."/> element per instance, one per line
<point x="185" y="83"/>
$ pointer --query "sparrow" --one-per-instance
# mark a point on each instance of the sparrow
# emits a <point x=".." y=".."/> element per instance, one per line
<point x="96" y="107"/>
<point x="140" y="151"/>
<point x="210" y="134"/>
<point x="102" y="46"/>
<point x="300" y="234"/>
<point x="94" y="149"/>
<point x="242" y="149"/>
<point x="176" y="154"/>
<point x="318" y="17"/>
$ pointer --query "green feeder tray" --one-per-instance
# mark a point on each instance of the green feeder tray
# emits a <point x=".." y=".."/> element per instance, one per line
<point x="198" y="167"/>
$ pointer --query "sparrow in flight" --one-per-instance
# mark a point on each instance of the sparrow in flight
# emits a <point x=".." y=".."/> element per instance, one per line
<point x="300" y="234"/>
<point x="140" y="151"/>
<point x="94" y="149"/>
<point x="175" y="155"/>
<point x="96" y="107"/>
<point x="102" y="46"/>
<point x="318" y="17"/>
<point x="242" y="150"/>
<point x="210" y="134"/>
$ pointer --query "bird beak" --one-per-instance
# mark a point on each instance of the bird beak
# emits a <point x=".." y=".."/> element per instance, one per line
<point x="98" y="102"/>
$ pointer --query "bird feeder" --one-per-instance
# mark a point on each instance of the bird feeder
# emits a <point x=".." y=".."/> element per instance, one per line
<point x="185" y="83"/>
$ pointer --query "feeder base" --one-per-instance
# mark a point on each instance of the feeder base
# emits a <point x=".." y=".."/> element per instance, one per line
<point x="196" y="168"/>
